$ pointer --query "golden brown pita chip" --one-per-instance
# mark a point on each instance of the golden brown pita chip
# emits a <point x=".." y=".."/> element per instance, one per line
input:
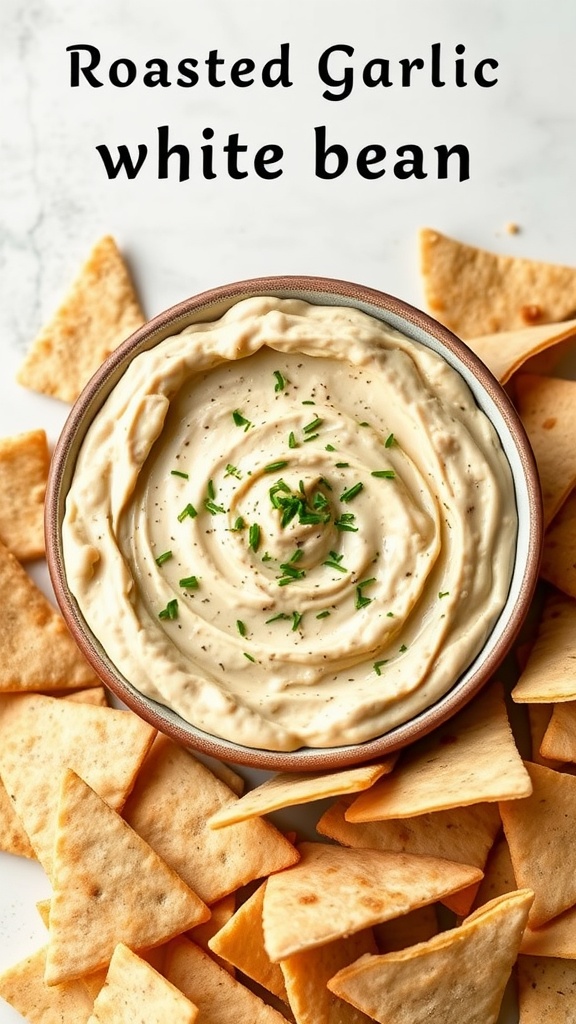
<point x="23" y="986"/>
<point x="36" y="649"/>
<point x="546" y="990"/>
<point x="227" y="775"/>
<point x="547" y="407"/>
<point x="540" y="834"/>
<point x="96" y="695"/>
<point x="557" y="938"/>
<point x="135" y="991"/>
<point x="100" y="310"/>
<point x="307" y="975"/>
<point x="498" y="875"/>
<point x="505" y="352"/>
<point x="249" y="957"/>
<point x="559" y="740"/>
<point x="550" y="672"/>
<point x="559" y="551"/>
<point x="472" y="759"/>
<point x="109" y="887"/>
<point x="24" y="461"/>
<point x="476" y="292"/>
<point x="417" y="926"/>
<point x="539" y="716"/>
<point x="173" y="797"/>
<point x="220" y="913"/>
<point x="41" y="736"/>
<point x="459" y="975"/>
<point x="290" y="788"/>
<point x="218" y="996"/>
<point x="13" y="836"/>
<point x="334" y="892"/>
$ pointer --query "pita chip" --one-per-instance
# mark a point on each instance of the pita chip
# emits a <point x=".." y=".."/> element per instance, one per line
<point x="41" y="736"/>
<point x="550" y="672"/>
<point x="24" y="988"/>
<point x="546" y="990"/>
<point x="540" y="834"/>
<point x="475" y="292"/>
<point x="288" y="789"/>
<point x="547" y="407"/>
<point x="36" y="649"/>
<point x="13" y="836"/>
<point x="333" y="892"/>
<point x="307" y="975"/>
<point x="539" y="716"/>
<point x="471" y="759"/>
<point x="459" y="975"/>
<point x="100" y="310"/>
<point x="505" y="352"/>
<point x="219" y="997"/>
<point x="559" y="551"/>
<point x="559" y="740"/>
<point x="108" y="887"/>
<point x="173" y="797"/>
<point x="220" y="913"/>
<point x="557" y="938"/>
<point x="131" y="985"/>
<point x="498" y="875"/>
<point x="24" y="462"/>
<point x="249" y="957"/>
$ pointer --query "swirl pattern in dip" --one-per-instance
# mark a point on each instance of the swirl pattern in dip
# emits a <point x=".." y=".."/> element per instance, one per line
<point x="293" y="526"/>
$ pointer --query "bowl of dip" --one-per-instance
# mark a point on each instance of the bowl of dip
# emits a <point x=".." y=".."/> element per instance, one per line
<point x="294" y="523"/>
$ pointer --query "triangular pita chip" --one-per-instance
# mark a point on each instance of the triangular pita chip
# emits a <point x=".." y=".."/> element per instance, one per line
<point x="539" y="716"/>
<point x="498" y="875"/>
<point x="100" y="310"/>
<point x="471" y="759"/>
<point x="459" y="975"/>
<point x="506" y="351"/>
<point x="477" y="292"/>
<point x="41" y="736"/>
<point x="557" y="938"/>
<point x="173" y="797"/>
<point x="546" y="990"/>
<point x="559" y="740"/>
<point x="13" y="836"/>
<point x="135" y="991"/>
<point x="540" y="834"/>
<point x="220" y="913"/>
<point x="109" y="887"/>
<point x="559" y="550"/>
<point x="24" y="461"/>
<point x="307" y="974"/>
<point x="218" y="996"/>
<point x="36" y="649"/>
<point x="288" y="789"/>
<point x="547" y="407"/>
<point x="334" y="892"/>
<point x="550" y="672"/>
<point x="249" y="957"/>
<point x="23" y="986"/>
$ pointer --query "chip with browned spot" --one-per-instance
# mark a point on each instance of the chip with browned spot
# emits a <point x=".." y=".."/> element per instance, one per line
<point x="547" y="407"/>
<point x="559" y="550"/>
<point x="546" y="990"/>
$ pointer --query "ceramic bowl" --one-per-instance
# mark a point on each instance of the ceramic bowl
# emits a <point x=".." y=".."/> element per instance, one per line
<point x="489" y="396"/>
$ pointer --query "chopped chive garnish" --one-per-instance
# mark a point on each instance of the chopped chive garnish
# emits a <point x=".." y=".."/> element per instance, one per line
<point x="276" y="618"/>
<point x="239" y="524"/>
<point x="298" y="554"/>
<point x="331" y="564"/>
<point x="336" y="556"/>
<point x="211" y="490"/>
<point x="384" y="474"/>
<point x="390" y="615"/>
<point x="266" y="557"/>
<point x="170" y="611"/>
<point x="311" y="437"/>
<point x="324" y="614"/>
<point x="281" y="381"/>
<point x="325" y="483"/>
<point x="233" y="471"/>
<point x="308" y="401"/>
<point x="274" y="467"/>
<point x="342" y="465"/>
<point x="344" y="523"/>
<point x="288" y="569"/>
<point x="249" y="656"/>
<point x="441" y="593"/>
<point x="378" y="666"/>
<point x="189" y="583"/>
<point x="254" y="537"/>
<point x="319" y="500"/>
<point x="312" y="426"/>
<point x="284" y="581"/>
<point x="189" y="512"/>
<point x="390" y="440"/>
<point x="176" y="472"/>
<point x="361" y="601"/>
<point x="213" y="508"/>
<point x="240" y="627"/>
<point x="351" y="493"/>
<point x="364" y="423"/>
<point x="292" y="442"/>
<point x="331" y="448"/>
<point x="296" y="620"/>
<point x="164" y="557"/>
<point x="367" y="583"/>
<point x="403" y="648"/>
<point x="240" y="420"/>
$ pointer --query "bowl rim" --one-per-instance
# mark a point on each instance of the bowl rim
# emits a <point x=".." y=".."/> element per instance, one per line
<point x="172" y="320"/>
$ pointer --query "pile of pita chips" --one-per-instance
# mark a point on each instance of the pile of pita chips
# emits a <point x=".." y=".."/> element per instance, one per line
<point x="131" y="984"/>
<point x="100" y="310"/>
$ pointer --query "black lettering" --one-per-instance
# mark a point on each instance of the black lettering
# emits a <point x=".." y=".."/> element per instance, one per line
<point x="412" y="168"/>
<point x="130" y="68"/>
<point x="158" y="73"/>
<point x="186" y="70"/>
<point x="208" y="155"/>
<point x="261" y="161"/>
<point x="460" y="80"/>
<point x="347" y="80"/>
<point x="213" y="61"/>
<point x="436" y="65"/>
<point x="75" y="68"/>
<point x="233" y="149"/>
<point x="164" y="152"/>
<point x="242" y="67"/>
<point x="382" y="67"/>
<point x="486" y="83"/>
<point x="322" y="153"/>
<point x="366" y="160"/>
<point x="283" y="62"/>
<point x="464" y="161"/>
<point x="407" y="66"/>
<point x="125" y="161"/>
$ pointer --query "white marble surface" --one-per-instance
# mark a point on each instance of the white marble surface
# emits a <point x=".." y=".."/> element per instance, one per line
<point x="182" y="237"/>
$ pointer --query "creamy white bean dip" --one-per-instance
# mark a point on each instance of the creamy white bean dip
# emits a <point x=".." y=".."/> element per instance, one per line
<point x="293" y="526"/>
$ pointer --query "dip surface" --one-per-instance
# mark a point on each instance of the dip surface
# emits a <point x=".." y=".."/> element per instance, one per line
<point x="293" y="526"/>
